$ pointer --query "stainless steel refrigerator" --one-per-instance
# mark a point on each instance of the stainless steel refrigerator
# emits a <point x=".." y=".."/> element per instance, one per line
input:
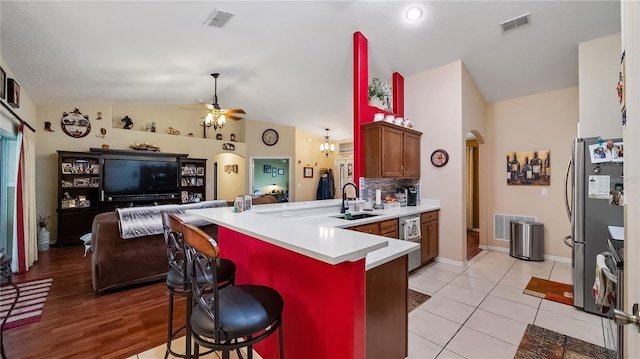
<point x="595" y="202"/>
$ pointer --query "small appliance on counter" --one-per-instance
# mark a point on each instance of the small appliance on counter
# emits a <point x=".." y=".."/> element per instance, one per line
<point x="412" y="196"/>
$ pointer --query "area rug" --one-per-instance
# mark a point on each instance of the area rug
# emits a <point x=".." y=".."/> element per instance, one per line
<point x="415" y="299"/>
<point x="33" y="295"/>
<point x="547" y="289"/>
<point x="538" y="342"/>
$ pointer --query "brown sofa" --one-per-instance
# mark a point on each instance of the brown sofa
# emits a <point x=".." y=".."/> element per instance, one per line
<point x="118" y="262"/>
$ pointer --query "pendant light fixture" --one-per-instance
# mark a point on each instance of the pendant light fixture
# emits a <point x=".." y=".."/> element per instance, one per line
<point x="326" y="148"/>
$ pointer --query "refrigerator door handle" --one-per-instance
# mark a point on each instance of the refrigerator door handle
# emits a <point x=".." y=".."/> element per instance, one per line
<point x="568" y="241"/>
<point x="566" y="190"/>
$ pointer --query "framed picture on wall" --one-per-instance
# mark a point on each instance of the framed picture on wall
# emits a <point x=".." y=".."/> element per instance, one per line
<point x="274" y="173"/>
<point x="3" y="83"/>
<point x="281" y="171"/>
<point x="308" y="172"/>
<point x="266" y="169"/>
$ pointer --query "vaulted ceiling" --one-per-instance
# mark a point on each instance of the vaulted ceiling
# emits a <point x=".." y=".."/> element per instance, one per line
<point x="286" y="62"/>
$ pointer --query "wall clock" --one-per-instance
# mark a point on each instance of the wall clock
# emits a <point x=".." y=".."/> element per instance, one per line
<point x="439" y="158"/>
<point x="270" y="137"/>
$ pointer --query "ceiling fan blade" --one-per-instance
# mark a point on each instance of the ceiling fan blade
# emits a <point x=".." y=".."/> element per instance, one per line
<point x="236" y="110"/>
<point x="190" y="108"/>
<point x="232" y="117"/>
<point x="209" y="106"/>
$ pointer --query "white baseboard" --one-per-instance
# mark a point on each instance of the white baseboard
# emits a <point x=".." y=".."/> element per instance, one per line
<point x="546" y="256"/>
<point x="451" y="262"/>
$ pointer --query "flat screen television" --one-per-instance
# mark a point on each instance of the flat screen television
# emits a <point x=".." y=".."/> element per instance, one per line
<point x="139" y="178"/>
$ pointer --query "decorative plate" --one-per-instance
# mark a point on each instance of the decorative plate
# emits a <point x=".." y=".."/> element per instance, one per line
<point x="75" y="124"/>
<point x="439" y="158"/>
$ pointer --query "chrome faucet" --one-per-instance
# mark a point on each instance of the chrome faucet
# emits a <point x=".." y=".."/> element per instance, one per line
<point x="344" y="194"/>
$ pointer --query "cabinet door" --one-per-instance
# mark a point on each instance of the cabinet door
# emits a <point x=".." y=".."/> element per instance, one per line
<point x="424" y="242"/>
<point x="411" y="155"/>
<point x="432" y="228"/>
<point x="73" y="223"/>
<point x="391" y="152"/>
<point x="389" y="227"/>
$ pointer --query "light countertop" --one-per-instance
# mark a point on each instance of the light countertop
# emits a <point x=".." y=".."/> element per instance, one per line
<point x="309" y="228"/>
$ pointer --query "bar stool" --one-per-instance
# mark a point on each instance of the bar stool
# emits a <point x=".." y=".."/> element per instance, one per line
<point x="178" y="280"/>
<point x="227" y="318"/>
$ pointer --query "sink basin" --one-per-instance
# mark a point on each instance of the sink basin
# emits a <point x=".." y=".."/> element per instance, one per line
<point x="356" y="216"/>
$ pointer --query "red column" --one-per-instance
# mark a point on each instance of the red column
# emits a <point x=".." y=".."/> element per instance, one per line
<point x="360" y="100"/>
<point x="398" y="94"/>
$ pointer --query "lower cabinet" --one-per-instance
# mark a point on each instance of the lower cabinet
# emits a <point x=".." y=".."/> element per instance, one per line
<point x="73" y="223"/>
<point x="430" y="237"/>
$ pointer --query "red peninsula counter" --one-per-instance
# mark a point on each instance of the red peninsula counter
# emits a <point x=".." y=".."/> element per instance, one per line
<point x="319" y="268"/>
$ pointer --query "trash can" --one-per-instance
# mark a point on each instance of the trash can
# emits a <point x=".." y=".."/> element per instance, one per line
<point x="527" y="240"/>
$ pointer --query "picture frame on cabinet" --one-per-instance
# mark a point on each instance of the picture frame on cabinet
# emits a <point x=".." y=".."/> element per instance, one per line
<point x="81" y="182"/>
<point x="199" y="182"/>
<point x="184" y="196"/>
<point x="95" y="182"/>
<point x="80" y="166"/>
<point x="66" y="168"/>
<point x="200" y="171"/>
<point x="184" y="182"/>
<point x="308" y="172"/>
<point x="192" y="181"/>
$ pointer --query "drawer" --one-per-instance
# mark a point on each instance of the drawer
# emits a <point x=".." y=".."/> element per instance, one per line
<point x="428" y="216"/>
<point x="367" y="228"/>
<point x="388" y="226"/>
<point x="393" y="235"/>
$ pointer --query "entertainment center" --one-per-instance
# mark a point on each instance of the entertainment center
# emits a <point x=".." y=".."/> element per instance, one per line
<point x="101" y="180"/>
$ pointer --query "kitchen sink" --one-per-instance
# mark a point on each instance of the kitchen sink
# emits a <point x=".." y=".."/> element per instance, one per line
<point x="356" y="216"/>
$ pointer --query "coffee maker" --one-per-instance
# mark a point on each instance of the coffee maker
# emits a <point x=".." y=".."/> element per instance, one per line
<point x="412" y="196"/>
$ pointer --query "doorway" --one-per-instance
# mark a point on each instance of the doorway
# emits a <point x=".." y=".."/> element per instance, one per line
<point x="271" y="175"/>
<point x="472" y="195"/>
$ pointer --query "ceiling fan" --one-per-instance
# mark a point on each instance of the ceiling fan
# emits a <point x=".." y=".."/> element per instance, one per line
<point x="217" y="115"/>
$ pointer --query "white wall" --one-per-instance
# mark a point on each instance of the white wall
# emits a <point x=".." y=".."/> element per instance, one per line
<point x="599" y="63"/>
<point x="433" y="102"/>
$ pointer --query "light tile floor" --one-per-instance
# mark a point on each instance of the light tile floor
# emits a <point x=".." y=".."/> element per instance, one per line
<point x="480" y="311"/>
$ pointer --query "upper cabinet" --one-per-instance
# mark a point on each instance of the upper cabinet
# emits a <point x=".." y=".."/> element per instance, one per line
<point x="390" y="151"/>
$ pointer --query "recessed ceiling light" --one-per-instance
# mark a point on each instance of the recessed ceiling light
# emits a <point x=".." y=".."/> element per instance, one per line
<point x="413" y="14"/>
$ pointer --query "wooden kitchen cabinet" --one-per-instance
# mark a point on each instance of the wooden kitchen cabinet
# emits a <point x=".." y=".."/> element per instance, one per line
<point x="392" y="151"/>
<point x="430" y="237"/>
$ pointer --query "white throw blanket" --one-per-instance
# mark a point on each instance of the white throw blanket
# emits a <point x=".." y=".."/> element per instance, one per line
<point x="145" y="221"/>
<point x="412" y="229"/>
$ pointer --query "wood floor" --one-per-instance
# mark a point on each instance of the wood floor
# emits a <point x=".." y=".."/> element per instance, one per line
<point x="78" y="323"/>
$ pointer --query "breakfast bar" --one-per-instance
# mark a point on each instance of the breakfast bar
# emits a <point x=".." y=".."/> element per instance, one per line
<point x="303" y="250"/>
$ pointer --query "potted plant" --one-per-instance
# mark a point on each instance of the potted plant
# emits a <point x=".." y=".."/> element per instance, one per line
<point x="379" y="94"/>
<point x="43" y="232"/>
<point x="376" y="93"/>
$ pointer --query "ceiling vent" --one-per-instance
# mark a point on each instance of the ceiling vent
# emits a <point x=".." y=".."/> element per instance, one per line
<point x="515" y="22"/>
<point x="219" y="18"/>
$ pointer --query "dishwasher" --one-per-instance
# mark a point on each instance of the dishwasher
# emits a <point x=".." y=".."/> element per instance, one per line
<point x="410" y="231"/>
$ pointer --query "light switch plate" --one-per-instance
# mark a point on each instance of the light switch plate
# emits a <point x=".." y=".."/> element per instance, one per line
<point x="544" y="191"/>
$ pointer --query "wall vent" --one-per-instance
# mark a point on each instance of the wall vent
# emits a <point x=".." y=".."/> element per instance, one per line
<point x="515" y="22"/>
<point x="219" y="18"/>
<point x="502" y="224"/>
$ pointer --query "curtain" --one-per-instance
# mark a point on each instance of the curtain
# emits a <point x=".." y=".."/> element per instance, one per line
<point x="470" y="180"/>
<point x="25" y="246"/>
